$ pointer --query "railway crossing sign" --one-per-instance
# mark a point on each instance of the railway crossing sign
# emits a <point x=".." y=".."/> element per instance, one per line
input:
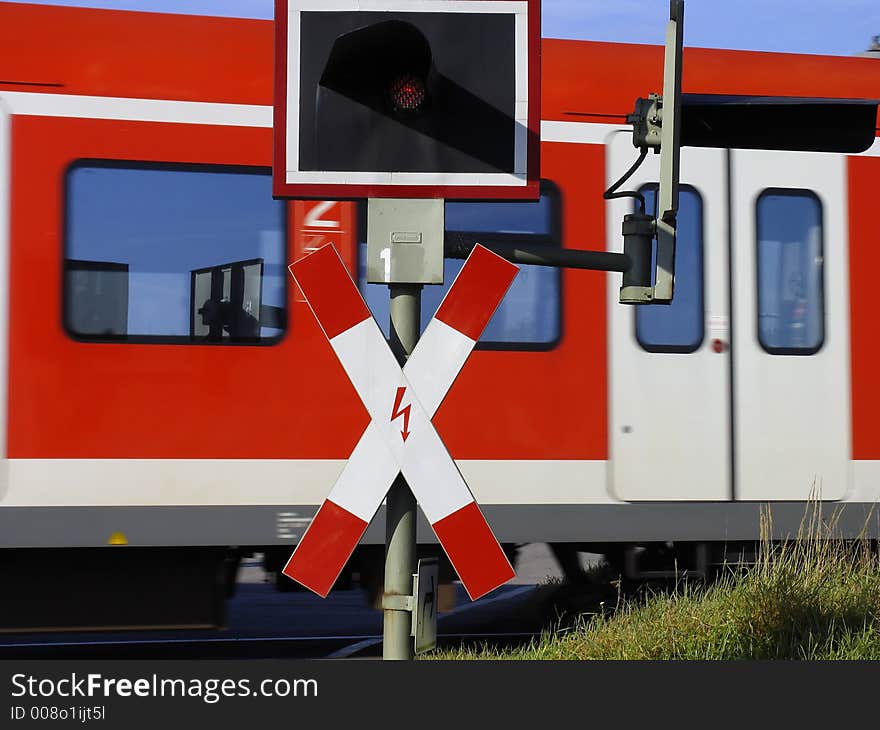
<point x="400" y="437"/>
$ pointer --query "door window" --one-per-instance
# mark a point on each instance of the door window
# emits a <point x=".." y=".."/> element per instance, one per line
<point x="790" y="278"/>
<point x="677" y="327"/>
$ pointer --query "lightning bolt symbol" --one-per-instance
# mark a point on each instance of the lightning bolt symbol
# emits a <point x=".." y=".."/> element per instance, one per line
<point x="397" y="411"/>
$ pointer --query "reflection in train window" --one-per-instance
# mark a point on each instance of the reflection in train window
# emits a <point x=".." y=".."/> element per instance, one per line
<point x="159" y="253"/>
<point x="790" y="292"/>
<point x="529" y="316"/>
<point x="677" y="327"/>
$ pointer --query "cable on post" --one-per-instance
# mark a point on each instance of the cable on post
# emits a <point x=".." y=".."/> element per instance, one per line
<point x="612" y="194"/>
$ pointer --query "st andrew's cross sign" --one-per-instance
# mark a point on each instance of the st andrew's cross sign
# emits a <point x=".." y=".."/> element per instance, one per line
<point x="400" y="437"/>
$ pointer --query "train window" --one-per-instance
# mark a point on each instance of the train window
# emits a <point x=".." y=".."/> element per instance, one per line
<point x="677" y="327"/>
<point x="790" y="256"/>
<point x="182" y="254"/>
<point x="529" y="316"/>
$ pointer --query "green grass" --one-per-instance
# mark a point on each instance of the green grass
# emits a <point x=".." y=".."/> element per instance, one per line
<point x="817" y="597"/>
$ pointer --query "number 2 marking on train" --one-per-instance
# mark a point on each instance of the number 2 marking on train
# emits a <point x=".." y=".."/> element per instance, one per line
<point x="313" y="218"/>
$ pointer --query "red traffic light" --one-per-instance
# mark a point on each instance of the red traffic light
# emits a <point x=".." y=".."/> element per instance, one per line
<point x="407" y="93"/>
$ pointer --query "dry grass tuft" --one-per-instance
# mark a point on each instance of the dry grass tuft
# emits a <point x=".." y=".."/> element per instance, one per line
<point x="813" y="597"/>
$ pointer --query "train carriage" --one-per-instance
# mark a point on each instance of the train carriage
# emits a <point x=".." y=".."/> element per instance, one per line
<point x="171" y="403"/>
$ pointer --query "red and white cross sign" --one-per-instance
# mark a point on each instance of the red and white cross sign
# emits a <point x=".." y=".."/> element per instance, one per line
<point x="400" y="437"/>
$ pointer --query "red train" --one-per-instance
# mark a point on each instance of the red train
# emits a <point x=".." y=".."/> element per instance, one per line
<point x="168" y="390"/>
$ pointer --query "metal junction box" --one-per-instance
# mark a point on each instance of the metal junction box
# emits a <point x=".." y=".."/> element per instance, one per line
<point x="405" y="241"/>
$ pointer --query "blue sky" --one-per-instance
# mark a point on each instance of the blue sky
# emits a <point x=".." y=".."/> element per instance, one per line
<point x="837" y="27"/>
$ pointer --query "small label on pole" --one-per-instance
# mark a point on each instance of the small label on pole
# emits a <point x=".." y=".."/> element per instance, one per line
<point x="425" y="612"/>
<point x="406" y="237"/>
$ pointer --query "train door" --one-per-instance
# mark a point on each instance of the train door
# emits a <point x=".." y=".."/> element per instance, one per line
<point x="791" y="322"/>
<point x="669" y="365"/>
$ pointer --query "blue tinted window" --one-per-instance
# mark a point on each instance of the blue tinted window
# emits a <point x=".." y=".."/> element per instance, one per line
<point x="534" y="217"/>
<point x="790" y="296"/>
<point x="186" y="254"/>
<point x="678" y="327"/>
<point x="529" y="314"/>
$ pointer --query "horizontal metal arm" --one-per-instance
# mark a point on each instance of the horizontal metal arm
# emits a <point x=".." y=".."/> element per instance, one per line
<point x="458" y="246"/>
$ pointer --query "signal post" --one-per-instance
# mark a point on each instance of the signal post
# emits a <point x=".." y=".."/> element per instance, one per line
<point x="406" y="106"/>
<point x="404" y="237"/>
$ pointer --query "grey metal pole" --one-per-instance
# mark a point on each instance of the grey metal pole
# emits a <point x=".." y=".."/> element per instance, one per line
<point x="400" y="521"/>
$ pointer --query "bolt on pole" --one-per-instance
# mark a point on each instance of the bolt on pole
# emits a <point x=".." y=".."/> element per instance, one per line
<point x="400" y="521"/>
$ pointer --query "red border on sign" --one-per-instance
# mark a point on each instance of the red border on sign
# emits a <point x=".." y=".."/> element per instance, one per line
<point x="339" y="191"/>
<point x="279" y="117"/>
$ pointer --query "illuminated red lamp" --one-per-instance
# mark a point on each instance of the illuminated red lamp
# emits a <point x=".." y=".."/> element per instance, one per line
<point x="407" y="93"/>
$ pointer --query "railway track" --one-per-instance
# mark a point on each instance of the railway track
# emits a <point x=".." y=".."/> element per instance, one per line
<point x="291" y="647"/>
<point x="264" y="624"/>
